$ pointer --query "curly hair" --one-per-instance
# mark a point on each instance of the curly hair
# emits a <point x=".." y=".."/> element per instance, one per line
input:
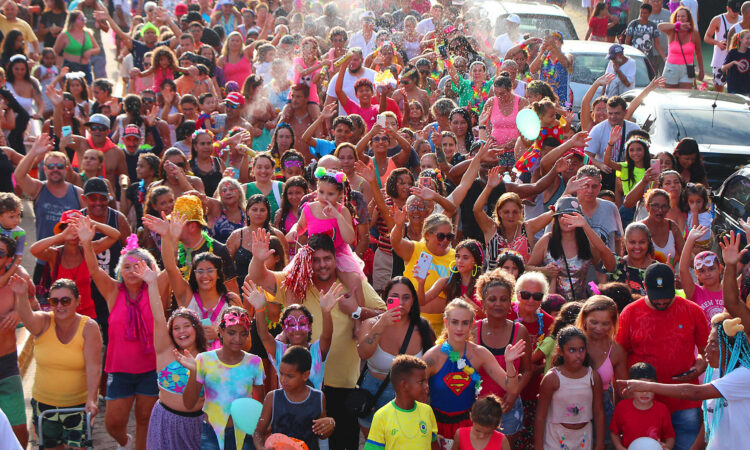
<point x="469" y="136"/>
<point x="453" y="287"/>
<point x="392" y="182"/>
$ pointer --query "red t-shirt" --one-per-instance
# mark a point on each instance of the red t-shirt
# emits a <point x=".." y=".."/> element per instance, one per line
<point x="531" y="390"/>
<point x="598" y="26"/>
<point x="632" y="423"/>
<point x="665" y="339"/>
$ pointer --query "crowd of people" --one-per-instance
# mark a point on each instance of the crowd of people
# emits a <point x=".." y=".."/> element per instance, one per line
<point x="295" y="224"/>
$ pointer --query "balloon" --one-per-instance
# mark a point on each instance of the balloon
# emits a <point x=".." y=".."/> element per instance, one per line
<point x="245" y="413"/>
<point x="528" y="124"/>
<point x="645" y="443"/>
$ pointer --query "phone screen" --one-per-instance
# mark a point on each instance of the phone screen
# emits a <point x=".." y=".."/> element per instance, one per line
<point x="66" y="130"/>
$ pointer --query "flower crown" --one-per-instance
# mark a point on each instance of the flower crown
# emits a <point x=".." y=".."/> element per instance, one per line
<point x="200" y="131"/>
<point x="340" y="177"/>
<point x="646" y="144"/>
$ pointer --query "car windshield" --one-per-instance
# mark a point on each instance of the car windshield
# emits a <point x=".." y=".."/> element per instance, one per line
<point x="588" y="67"/>
<point x="709" y="127"/>
<point x="540" y="25"/>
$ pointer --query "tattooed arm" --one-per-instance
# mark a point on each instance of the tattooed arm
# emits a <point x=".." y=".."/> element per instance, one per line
<point x="369" y="337"/>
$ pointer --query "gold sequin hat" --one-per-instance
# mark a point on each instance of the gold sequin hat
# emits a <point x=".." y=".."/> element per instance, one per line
<point x="190" y="207"/>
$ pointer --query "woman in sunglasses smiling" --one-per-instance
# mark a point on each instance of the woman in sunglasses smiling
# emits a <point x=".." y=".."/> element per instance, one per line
<point x="175" y="174"/>
<point x="67" y="352"/>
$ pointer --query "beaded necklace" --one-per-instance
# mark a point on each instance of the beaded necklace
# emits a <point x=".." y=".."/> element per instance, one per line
<point x="480" y="94"/>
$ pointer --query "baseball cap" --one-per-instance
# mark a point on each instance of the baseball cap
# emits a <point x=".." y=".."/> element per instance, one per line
<point x="614" y="50"/>
<point x="367" y="16"/>
<point x="659" y="281"/>
<point x="65" y="219"/>
<point x="236" y="98"/>
<point x="131" y="130"/>
<point x="224" y="2"/>
<point x="98" y="119"/>
<point x="180" y="10"/>
<point x="95" y="185"/>
<point x="567" y="205"/>
<point x="513" y="18"/>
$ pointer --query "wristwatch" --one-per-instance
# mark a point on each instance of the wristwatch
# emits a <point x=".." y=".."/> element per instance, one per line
<point x="357" y="312"/>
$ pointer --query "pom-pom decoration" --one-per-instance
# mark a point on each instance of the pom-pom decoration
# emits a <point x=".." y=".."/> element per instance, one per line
<point x="300" y="275"/>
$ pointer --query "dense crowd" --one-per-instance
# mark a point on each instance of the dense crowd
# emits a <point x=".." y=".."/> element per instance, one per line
<point x="302" y="224"/>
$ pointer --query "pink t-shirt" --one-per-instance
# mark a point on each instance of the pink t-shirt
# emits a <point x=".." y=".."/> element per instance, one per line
<point x="369" y="115"/>
<point x="307" y="79"/>
<point x="711" y="302"/>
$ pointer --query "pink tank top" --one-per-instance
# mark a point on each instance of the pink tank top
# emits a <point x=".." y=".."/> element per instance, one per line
<point x="159" y="76"/>
<point x="128" y="354"/>
<point x="464" y="435"/>
<point x="237" y="71"/>
<point x="606" y="371"/>
<point x="573" y="401"/>
<point x="675" y="54"/>
<point x="307" y="79"/>
<point x="504" y="127"/>
<point x="325" y="226"/>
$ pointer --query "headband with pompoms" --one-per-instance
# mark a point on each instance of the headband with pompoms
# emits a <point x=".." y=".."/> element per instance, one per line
<point x="340" y="177"/>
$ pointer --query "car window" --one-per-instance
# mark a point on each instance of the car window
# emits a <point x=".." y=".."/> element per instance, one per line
<point x="588" y="67"/>
<point x="642" y="114"/>
<point x="538" y="25"/>
<point x="709" y="127"/>
<point x="735" y="197"/>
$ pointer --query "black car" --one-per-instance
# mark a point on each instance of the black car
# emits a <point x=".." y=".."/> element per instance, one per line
<point x="731" y="202"/>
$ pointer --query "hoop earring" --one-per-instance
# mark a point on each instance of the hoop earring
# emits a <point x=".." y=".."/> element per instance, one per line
<point x="477" y="269"/>
<point x="452" y="267"/>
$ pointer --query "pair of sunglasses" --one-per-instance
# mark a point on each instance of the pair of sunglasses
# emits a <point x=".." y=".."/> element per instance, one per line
<point x="537" y="296"/>
<point x="51" y="166"/>
<point x="444" y="236"/>
<point x="65" y="301"/>
<point x="98" y="128"/>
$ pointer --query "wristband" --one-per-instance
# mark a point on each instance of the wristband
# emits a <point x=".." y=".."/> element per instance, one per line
<point x="677" y="26"/>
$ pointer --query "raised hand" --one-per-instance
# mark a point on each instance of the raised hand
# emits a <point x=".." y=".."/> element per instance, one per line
<point x="155" y="224"/>
<point x="580" y="139"/>
<point x="255" y="295"/>
<point x="186" y="359"/>
<point x="745" y="224"/>
<point x="658" y="82"/>
<point x="423" y="192"/>
<point x="562" y="164"/>
<point x="175" y="224"/>
<point x="151" y="117"/>
<point x="18" y="285"/>
<point x="399" y="215"/>
<point x="42" y="145"/>
<point x="260" y="242"/>
<point x="574" y="220"/>
<point x="697" y="231"/>
<point x="331" y="297"/>
<point x="84" y="227"/>
<point x="730" y="248"/>
<point x="574" y="185"/>
<point x="55" y="95"/>
<point x="144" y="272"/>
<point x="365" y="171"/>
<point x="515" y="351"/>
<point x="604" y="79"/>
<point x="615" y="134"/>
<point x="495" y="177"/>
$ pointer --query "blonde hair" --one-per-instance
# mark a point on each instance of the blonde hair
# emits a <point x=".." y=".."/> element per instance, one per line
<point x="536" y="277"/>
<point x="456" y="303"/>
<point x="434" y="221"/>
<point x="598" y="303"/>
<point x="737" y="38"/>
<point x="54" y="154"/>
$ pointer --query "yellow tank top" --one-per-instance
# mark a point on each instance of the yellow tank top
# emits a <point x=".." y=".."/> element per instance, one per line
<point x="60" y="378"/>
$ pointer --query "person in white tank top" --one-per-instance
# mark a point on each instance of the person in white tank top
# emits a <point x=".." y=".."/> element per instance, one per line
<point x="717" y="35"/>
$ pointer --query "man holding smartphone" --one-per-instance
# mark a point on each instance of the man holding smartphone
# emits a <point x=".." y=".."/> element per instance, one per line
<point x="664" y="330"/>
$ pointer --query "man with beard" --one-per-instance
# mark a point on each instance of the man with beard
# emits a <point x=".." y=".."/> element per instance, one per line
<point x="355" y="72"/>
<point x="298" y="116"/>
<point x="338" y="383"/>
<point x="51" y="197"/>
<point x="664" y="330"/>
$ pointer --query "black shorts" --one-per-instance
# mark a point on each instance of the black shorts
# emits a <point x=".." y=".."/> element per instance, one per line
<point x="617" y="29"/>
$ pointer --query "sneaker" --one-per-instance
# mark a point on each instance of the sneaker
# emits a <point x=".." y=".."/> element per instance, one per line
<point x="128" y="445"/>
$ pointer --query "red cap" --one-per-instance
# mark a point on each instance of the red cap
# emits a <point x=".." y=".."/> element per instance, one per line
<point x="236" y="98"/>
<point x="65" y="219"/>
<point x="180" y="10"/>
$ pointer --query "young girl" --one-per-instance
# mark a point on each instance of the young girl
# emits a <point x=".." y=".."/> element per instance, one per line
<point x="483" y="434"/>
<point x="281" y="142"/>
<point x="567" y="316"/>
<point x="707" y="292"/>
<point x="163" y="66"/>
<point x="451" y="369"/>
<point x="599" y="23"/>
<point x="738" y="78"/>
<point x="552" y="128"/>
<point x="47" y="73"/>
<point x="569" y="398"/>
<point x="598" y="320"/>
<point x="226" y="374"/>
<point x="333" y="213"/>
<point x="76" y="84"/>
<point x="416" y="120"/>
<point x="297" y="322"/>
<point x="266" y="55"/>
<point x="462" y="280"/>
<point x="308" y="70"/>
<point x="637" y="160"/>
<point x="292" y="164"/>
<point x="294" y="189"/>
<point x="696" y="196"/>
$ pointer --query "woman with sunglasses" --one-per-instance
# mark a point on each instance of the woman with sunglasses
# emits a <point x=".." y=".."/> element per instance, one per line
<point x="67" y="352"/>
<point x="174" y="172"/>
<point x="381" y="338"/>
<point x="666" y="234"/>
<point x="571" y="249"/>
<point x="409" y="91"/>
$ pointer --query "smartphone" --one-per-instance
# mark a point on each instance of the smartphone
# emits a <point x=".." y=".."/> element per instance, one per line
<point x="381" y="120"/>
<point x="656" y="164"/>
<point x="220" y="120"/>
<point x="425" y="182"/>
<point x="443" y="51"/>
<point x="66" y="130"/>
<point x="423" y="265"/>
<point x="683" y="373"/>
<point x="392" y="302"/>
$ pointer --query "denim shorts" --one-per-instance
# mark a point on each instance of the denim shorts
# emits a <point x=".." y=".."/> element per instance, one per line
<point x="512" y="421"/>
<point x="210" y="442"/>
<point x="371" y="385"/>
<point x="124" y="385"/>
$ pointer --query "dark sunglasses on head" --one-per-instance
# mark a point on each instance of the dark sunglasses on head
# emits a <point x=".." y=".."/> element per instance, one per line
<point x="60" y="166"/>
<point x="444" y="236"/>
<point x="65" y="301"/>
<point x="98" y="128"/>
<point x="525" y="295"/>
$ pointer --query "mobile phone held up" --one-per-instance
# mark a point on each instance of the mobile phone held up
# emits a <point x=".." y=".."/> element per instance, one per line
<point x="393" y="303"/>
<point x="423" y="265"/>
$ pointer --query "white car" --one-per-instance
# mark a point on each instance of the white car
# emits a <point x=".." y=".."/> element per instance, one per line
<point x="590" y="62"/>
<point x="537" y="19"/>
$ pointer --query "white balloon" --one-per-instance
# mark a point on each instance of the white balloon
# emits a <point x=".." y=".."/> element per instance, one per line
<point x="645" y="443"/>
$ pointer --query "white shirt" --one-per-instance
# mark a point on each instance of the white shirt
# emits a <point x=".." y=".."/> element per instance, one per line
<point x="503" y="43"/>
<point x="616" y="86"/>
<point x="600" y="138"/>
<point x="734" y="427"/>
<point x="348" y="86"/>
<point x="358" y="40"/>
<point x="692" y="5"/>
<point x="520" y="89"/>
<point x="425" y="26"/>
<point x="7" y="438"/>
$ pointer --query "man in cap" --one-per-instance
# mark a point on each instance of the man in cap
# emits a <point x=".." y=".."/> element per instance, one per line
<point x="51" y="197"/>
<point x="135" y="147"/>
<point x="664" y="330"/>
<point x="194" y="238"/>
<point x="365" y="39"/>
<point x="235" y="104"/>
<point x="623" y="68"/>
<point x="510" y="38"/>
<point x="99" y="128"/>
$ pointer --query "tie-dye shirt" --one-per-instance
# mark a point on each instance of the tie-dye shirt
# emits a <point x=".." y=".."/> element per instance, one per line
<point x="317" y="369"/>
<point x="225" y="383"/>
